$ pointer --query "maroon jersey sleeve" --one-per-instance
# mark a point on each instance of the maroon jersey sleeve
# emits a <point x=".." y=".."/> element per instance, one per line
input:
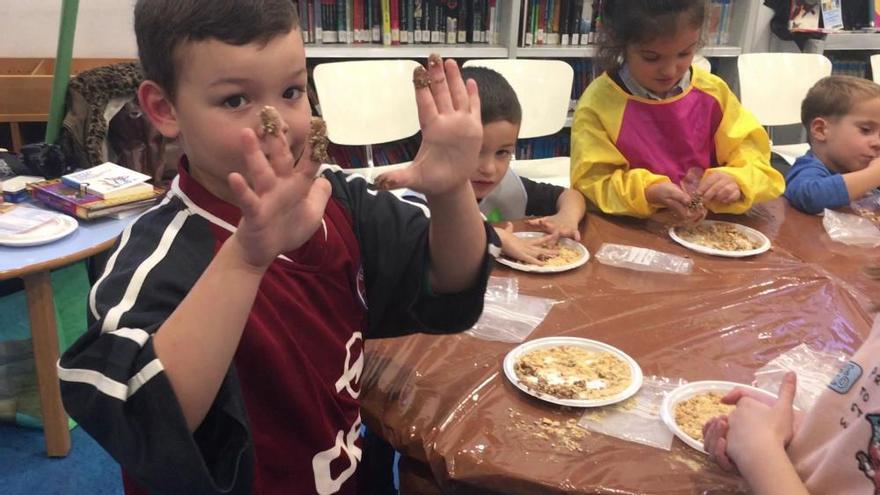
<point x="393" y="238"/>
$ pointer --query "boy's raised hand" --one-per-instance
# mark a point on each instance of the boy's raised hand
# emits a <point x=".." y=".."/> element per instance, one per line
<point x="452" y="133"/>
<point x="282" y="203"/>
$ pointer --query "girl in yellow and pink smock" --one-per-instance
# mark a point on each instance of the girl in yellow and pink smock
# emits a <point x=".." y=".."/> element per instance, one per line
<point x="652" y="119"/>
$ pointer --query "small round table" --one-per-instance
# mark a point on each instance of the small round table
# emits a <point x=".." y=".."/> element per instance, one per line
<point x="33" y="265"/>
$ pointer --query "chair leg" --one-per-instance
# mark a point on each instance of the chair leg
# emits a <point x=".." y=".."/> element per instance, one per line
<point x="44" y="331"/>
<point x="17" y="141"/>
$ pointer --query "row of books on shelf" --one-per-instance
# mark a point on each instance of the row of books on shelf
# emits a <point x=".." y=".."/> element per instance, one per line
<point x="584" y="72"/>
<point x="400" y="22"/>
<point x="857" y="68"/>
<point x="558" y="22"/>
<point x="558" y="144"/>
<point x="579" y="22"/>
<point x="103" y="190"/>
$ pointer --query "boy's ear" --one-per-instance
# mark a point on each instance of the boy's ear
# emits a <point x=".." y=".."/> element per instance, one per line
<point x="818" y="129"/>
<point x="159" y="108"/>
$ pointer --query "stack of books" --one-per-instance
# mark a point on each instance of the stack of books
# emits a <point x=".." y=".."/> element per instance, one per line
<point x="107" y="189"/>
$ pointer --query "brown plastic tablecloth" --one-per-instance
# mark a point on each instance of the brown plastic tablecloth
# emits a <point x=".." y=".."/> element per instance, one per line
<point x="444" y="400"/>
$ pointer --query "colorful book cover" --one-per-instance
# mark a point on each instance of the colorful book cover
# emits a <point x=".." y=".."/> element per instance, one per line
<point x="804" y="16"/>
<point x="386" y="22"/>
<point x="832" y="15"/>
<point x="107" y="180"/>
<point x="395" y="22"/>
<point x="59" y="196"/>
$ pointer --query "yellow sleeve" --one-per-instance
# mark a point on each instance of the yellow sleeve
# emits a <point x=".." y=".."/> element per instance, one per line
<point x="598" y="169"/>
<point x="743" y="151"/>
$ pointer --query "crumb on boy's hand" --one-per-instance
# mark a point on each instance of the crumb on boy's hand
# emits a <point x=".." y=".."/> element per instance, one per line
<point x="318" y="140"/>
<point x="270" y="122"/>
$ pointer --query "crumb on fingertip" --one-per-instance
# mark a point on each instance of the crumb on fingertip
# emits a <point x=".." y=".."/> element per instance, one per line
<point x="318" y="140"/>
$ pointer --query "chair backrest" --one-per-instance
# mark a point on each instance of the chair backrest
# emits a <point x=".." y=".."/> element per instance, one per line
<point x="875" y="68"/>
<point x="367" y="101"/>
<point x="702" y="62"/>
<point x="543" y="88"/>
<point x="773" y="85"/>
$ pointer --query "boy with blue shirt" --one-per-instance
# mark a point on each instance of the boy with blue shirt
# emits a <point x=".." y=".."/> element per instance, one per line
<point x="842" y="117"/>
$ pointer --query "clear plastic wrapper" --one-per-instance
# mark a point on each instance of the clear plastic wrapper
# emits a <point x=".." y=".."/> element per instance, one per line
<point x="854" y="230"/>
<point x="815" y="370"/>
<point x="636" y="419"/>
<point x="643" y="259"/>
<point x="868" y="207"/>
<point x="509" y="316"/>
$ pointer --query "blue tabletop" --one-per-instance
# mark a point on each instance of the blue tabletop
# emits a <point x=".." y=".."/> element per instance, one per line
<point x="89" y="234"/>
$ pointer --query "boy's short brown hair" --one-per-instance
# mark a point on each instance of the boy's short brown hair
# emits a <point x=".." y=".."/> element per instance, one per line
<point x="498" y="100"/>
<point x="834" y="96"/>
<point x="161" y="26"/>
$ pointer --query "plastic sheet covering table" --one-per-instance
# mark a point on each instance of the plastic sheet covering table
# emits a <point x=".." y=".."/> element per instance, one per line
<point x="444" y="401"/>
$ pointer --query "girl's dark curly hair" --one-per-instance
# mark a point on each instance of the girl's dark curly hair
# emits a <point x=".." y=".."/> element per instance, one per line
<point x="639" y="21"/>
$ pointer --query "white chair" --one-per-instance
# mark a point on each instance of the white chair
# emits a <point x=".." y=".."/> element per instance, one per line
<point x="367" y="102"/>
<point x="543" y="88"/>
<point x="702" y="62"/>
<point x="875" y="67"/>
<point x="773" y="85"/>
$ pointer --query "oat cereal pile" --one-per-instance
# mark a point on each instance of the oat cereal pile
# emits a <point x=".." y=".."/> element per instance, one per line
<point x="568" y="372"/>
<point x="692" y="414"/>
<point x="722" y="236"/>
<point x="566" y="256"/>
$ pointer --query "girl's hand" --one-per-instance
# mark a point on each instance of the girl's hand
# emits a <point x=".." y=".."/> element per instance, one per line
<point x="452" y="133"/>
<point x="526" y="250"/>
<point x="282" y="203"/>
<point x="758" y="424"/>
<point x="556" y="224"/>
<point x="719" y="187"/>
<point x="676" y="200"/>
<point x="715" y="442"/>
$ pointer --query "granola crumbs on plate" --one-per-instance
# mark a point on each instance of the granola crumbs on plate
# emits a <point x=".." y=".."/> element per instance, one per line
<point x="721" y="236"/>
<point x="569" y="372"/>
<point x="693" y="413"/>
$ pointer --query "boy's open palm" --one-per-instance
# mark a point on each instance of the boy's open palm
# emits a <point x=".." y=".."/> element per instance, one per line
<point x="452" y="133"/>
<point x="282" y="203"/>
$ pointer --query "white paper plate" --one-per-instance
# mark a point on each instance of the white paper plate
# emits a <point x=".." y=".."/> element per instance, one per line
<point x="748" y="231"/>
<point x="590" y="345"/>
<point x="60" y="226"/>
<point x="564" y="241"/>
<point x="685" y="392"/>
